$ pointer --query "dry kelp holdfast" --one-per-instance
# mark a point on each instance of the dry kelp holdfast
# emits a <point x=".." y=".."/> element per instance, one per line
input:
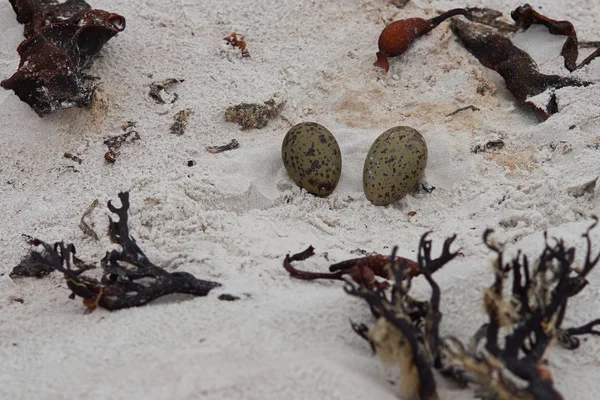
<point x="61" y="40"/>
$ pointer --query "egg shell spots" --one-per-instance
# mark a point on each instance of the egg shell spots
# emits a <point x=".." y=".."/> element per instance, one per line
<point x="395" y="163"/>
<point x="312" y="158"/>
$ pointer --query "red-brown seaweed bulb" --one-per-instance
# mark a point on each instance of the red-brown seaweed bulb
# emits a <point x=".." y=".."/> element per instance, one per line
<point x="398" y="36"/>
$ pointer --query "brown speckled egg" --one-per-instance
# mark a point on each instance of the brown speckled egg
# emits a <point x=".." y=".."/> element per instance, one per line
<point x="312" y="158"/>
<point x="395" y="163"/>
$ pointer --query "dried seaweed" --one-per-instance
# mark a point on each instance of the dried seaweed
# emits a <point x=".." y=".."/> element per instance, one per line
<point x="492" y="145"/>
<point x="234" y="144"/>
<point x="73" y="157"/>
<point x="253" y="116"/>
<point x="159" y="91"/>
<point x="522" y="328"/>
<point x="362" y="270"/>
<point x="114" y="143"/>
<point x="520" y="72"/>
<point x="61" y="40"/>
<point x="129" y="278"/>
<point x="471" y="107"/>
<point x="181" y="120"/>
<point x="506" y="357"/>
<point x="407" y="330"/>
<point x="237" y="40"/>
<point x="36" y="264"/>
<point x="397" y="37"/>
<point x="83" y="225"/>
<point x="525" y="16"/>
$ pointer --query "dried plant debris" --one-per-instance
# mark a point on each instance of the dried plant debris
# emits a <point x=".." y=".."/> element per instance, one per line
<point x="114" y="143"/>
<point x="160" y="93"/>
<point x="234" y="144"/>
<point x="237" y="40"/>
<point x="519" y="70"/>
<point x="181" y="120"/>
<point x="36" y="264"/>
<point x="524" y="325"/>
<point x="84" y="225"/>
<point x="407" y="330"/>
<point x="110" y="157"/>
<point x="362" y="270"/>
<point x="253" y="116"/>
<point x="525" y="16"/>
<point x="490" y="145"/>
<point x="471" y="107"/>
<point x="73" y="157"/>
<point x="61" y="39"/>
<point x="506" y="357"/>
<point x="397" y="37"/>
<point x="129" y="278"/>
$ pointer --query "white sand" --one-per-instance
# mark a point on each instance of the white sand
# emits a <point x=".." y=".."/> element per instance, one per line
<point x="233" y="216"/>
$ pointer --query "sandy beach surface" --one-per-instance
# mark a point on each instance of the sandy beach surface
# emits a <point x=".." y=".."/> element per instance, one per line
<point x="233" y="216"/>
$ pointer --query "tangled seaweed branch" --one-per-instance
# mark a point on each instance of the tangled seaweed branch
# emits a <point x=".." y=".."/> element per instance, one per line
<point x="506" y="357"/>
<point x="522" y="328"/>
<point x="407" y="330"/>
<point x="129" y="278"/>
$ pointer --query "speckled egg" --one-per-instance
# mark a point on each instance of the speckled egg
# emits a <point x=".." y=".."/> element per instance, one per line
<point x="312" y="158"/>
<point x="395" y="163"/>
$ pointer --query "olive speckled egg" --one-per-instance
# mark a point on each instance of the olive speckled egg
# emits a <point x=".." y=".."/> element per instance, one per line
<point x="312" y="158"/>
<point x="395" y="163"/>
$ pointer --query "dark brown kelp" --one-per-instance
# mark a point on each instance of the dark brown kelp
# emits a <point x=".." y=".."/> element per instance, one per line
<point x="520" y="72"/>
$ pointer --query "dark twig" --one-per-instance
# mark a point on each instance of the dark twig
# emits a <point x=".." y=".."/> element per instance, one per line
<point x="234" y="144"/>
<point x="471" y="107"/>
<point x="83" y="225"/>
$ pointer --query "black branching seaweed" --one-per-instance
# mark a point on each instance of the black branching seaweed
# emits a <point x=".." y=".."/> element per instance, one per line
<point x="61" y="39"/>
<point x="511" y="363"/>
<point x="407" y="330"/>
<point x="507" y="357"/>
<point x="129" y="278"/>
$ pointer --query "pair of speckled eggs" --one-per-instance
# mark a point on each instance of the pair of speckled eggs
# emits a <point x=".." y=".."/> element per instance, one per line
<point x="394" y="164"/>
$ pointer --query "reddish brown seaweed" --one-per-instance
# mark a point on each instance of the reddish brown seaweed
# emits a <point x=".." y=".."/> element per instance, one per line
<point x="399" y="35"/>
<point x="61" y="41"/>
<point x="525" y="16"/>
